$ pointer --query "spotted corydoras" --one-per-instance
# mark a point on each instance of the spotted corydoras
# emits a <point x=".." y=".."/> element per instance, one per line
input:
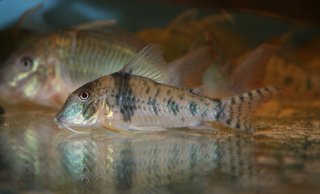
<point x="123" y="101"/>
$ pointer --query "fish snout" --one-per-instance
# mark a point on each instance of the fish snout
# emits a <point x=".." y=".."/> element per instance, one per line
<point x="59" y="120"/>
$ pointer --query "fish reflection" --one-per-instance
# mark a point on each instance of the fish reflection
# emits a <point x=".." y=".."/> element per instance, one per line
<point x="37" y="156"/>
<point x="138" y="163"/>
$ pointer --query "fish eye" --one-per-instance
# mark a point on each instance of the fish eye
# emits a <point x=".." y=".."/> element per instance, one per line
<point x="84" y="95"/>
<point x="25" y="63"/>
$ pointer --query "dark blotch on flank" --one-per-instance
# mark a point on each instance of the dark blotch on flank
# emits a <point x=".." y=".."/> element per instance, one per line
<point x="124" y="95"/>
<point x="89" y="110"/>
<point x="241" y="97"/>
<point x="148" y="90"/>
<point x="168" y="92"/>
<point x="219" y="108"/>
<point x="259" y="92"/>
<point x="194" y="109"/>
<point x="153" y="102"/>
<point x="173" y="106"/>
<point x="125" y="169"/>
<point x="157" y="93"/>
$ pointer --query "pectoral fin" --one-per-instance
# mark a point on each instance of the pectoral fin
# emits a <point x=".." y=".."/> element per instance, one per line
<point x="115" y="129"/>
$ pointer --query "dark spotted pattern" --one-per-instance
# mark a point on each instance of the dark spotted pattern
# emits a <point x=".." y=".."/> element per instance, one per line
<point x="241" y="97"/>
<point x="153" y="102"/>
<point x="219" y="108"/>
<point x="157" y="93"/>
<point x="204" y="114"/>
<point x="259" y="92"/>
<point x="194" y="108"/>
<point x="89" y="110"/>
<point x="173" y="106"/>
<point x="267" y="90"/>
<point x="124" y="96"/>
<point x="148" y="90"/>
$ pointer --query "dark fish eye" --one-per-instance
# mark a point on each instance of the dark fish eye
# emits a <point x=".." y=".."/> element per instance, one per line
<point x="84" y="95"/>
<point x="26" y="63"/>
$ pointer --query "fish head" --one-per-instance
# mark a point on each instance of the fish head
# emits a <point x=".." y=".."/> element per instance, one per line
<point x="25" y="73"/>
<point x="80" y="109"/>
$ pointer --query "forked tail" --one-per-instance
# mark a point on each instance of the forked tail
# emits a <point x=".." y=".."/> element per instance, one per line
<point x="236" y="110"/>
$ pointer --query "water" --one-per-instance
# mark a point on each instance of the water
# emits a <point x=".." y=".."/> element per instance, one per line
<point x="282" y="156"/>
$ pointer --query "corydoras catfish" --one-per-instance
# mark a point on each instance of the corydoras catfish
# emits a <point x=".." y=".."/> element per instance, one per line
<point x="47" y="69"/>
<point x="123" y="101"/>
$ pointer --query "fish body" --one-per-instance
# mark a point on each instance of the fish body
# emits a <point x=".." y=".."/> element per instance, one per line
<point x="123" y="101"/>
<point x="48" y="68"/>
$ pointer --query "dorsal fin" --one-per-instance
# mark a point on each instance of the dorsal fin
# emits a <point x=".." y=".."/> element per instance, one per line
<point x="148" y="63"/>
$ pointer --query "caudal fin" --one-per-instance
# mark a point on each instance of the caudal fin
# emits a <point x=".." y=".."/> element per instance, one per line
<point x="236" y="110"/>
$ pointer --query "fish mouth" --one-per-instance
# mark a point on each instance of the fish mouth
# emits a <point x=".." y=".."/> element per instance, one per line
<point x="62" y="124"/>
<point x="59" y="124"/>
